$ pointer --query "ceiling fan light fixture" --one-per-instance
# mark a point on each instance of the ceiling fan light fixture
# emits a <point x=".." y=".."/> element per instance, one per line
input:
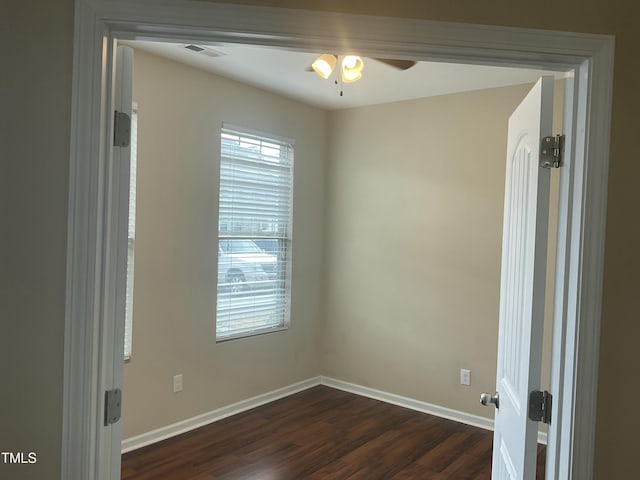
<point x="324" y="65"/>
<point x="352" y="66"/>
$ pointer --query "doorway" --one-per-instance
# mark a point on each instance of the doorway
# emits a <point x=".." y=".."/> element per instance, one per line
<point x="386" y="160"/>
<point x="579" y="271"/>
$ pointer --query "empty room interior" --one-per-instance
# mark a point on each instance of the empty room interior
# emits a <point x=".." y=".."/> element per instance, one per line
<point x="393" y="257"/>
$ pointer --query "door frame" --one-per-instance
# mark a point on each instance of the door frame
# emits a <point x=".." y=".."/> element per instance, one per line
<point x="92" y="265"/>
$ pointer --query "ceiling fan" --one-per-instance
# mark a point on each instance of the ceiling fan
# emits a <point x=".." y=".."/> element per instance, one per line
<point x="351" y="66"/>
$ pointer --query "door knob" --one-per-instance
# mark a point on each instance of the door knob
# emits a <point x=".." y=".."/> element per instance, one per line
<point x="486" y="399"/>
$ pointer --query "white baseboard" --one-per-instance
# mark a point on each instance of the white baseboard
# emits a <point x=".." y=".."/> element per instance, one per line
<point x="192" y="423"/>
<point x="417" y="405"/>
<point x="542" y="438"/>
<point x="410" y="403"/>
<point x="189" y="424"/>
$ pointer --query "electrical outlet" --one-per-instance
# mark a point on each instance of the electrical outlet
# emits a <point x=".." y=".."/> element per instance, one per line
<point x="177" y="383"/>
<point x="465" y="377"/>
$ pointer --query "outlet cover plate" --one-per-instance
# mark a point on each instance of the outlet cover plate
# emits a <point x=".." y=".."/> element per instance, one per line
<point x="465" y="376"/>
<point x="177" y="383"/>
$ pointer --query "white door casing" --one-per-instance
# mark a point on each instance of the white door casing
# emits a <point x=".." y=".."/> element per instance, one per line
<point x="522" y="289"/>
<point x="90" y="259"/>
<point x="118" y="210"/>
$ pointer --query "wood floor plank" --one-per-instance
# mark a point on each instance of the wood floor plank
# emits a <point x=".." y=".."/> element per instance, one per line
<point x="321" y="434"/>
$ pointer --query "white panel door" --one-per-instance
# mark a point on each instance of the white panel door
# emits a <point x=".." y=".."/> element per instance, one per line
<point x="522" y="290"/>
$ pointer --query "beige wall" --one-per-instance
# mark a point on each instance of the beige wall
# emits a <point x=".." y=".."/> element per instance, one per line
<point x="180" y="112"/>
<point x="413" y="241"/>
<point x="35" y="101"/>
<point x="37" y="96"/>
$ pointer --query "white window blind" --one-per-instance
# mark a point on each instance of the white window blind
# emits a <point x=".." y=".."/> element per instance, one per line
<point x="131" y="235"/>
<point x="254" y="234"/>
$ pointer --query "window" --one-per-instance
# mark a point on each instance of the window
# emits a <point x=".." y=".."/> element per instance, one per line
<point x="131" y="234"/>
<point x="254" y="234"/>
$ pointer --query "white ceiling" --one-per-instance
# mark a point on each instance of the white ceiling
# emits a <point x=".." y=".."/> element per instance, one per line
<point x="285" y="72"/>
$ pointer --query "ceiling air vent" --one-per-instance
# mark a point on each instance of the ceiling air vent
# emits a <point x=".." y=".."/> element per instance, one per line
<point x="210" y="52"/>
<point x="194" y="48"/>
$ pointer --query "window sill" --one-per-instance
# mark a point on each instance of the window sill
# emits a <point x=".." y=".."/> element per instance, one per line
<point x="253" y="333"/>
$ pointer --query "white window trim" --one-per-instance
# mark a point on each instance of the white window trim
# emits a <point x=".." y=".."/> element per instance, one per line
<point x="286" y="318"/>
<point x="131" y="235"/>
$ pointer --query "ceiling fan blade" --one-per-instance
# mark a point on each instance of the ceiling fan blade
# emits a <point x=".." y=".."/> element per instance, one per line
<point x="401" y="64"/>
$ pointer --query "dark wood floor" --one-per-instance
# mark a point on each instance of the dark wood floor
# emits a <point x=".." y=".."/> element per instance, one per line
<point x="321" y="434"/>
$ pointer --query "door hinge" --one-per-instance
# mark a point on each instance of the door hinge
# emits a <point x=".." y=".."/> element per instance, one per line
<point x="112" y="406"/>
<point x="540" y="406"/>
<point x="121" y="129"/>
<point x="551" y="151"/>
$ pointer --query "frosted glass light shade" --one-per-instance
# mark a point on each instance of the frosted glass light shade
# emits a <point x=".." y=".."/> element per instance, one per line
<point x="352" y="66"/>
<point x="324" y="65"/>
